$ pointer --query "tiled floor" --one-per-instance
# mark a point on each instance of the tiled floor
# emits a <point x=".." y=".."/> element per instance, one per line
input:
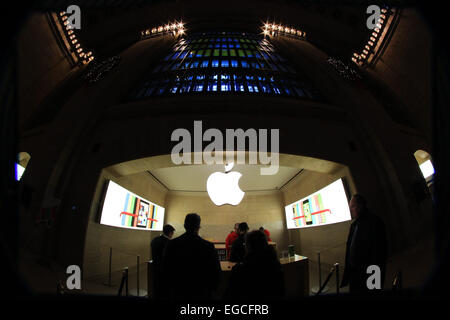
<point x="100" y="284"/>
<point x="314" y="278"/>
<point x="42" y="277"/>
<point x="97" y="286"/>
<point x="42" y="274"/>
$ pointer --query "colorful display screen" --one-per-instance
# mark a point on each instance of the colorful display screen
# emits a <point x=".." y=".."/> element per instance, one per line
<point x="326" y="206"/>
<point x="122" y="208"/>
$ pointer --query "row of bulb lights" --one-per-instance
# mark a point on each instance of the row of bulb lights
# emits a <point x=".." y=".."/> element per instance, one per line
<point x="369" y="48"/>
<point x="75" y="45"/>
<point x="273" y="29"/>
<point x="176" y="28"/>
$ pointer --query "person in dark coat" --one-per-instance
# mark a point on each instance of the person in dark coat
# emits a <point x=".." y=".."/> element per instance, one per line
<point x="366" y="245"/>
<point x="158" y="245"/>
<point x="260" y="275"/>
<point x="191" y="266"/>
<point x="238" y="247"/>
<point x="266" y="232"/>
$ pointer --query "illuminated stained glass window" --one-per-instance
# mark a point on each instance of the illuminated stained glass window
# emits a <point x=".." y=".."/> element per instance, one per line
<point x="224" y="62"/>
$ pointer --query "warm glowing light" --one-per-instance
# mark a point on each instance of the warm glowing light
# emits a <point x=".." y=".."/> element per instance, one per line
<point x="269" y="28"/>
<point x="427" y="169"/>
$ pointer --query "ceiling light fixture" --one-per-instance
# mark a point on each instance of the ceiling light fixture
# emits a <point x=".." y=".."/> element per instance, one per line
<point x="176" y="28"/>
<point x="374" y="38"/>
<point x="72" y="44"/>
<point x="273" y="29"/>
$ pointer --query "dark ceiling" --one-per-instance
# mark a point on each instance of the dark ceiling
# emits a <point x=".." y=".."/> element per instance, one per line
<point x="110" y="26"/>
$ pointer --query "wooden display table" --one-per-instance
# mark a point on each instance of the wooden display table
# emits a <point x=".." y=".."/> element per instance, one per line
<point x="296" y="276"/>
<point x="222" y="252"/>
<point x="295" y="269"/>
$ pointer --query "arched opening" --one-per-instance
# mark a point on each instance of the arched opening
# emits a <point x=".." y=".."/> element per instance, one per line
<point x="180" y="189"/>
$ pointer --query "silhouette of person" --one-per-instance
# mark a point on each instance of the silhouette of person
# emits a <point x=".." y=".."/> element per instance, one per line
<point x="158" y="245"/>
<point x="266" y="232"/>
<point x="233" y="235"/>
<point x="238" y="247"/>
<point x="260" y="275"/>
<point x="191" y="267"/>
<point x="366" y="245"/>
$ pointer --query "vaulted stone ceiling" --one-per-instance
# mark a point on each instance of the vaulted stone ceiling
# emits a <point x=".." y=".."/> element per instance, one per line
<point x="110" y="26"/>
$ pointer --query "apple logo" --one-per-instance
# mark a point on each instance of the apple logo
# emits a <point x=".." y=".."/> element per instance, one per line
<point x="223" y="188"/>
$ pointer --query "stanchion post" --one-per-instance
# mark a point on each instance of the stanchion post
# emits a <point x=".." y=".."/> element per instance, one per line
<point x="126" y="281"/>
<point x="110" y="266"/>
<point x="320" y="272"/>
<point x="137" y="276"/>
<point x="337" y="277"/>
<point x="123" y="281"/>
<point x="121" y="286"/>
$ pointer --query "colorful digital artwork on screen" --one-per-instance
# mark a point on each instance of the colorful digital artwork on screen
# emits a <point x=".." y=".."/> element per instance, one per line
<point x="122" y="208"/>
<point x="326" y="206"/>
